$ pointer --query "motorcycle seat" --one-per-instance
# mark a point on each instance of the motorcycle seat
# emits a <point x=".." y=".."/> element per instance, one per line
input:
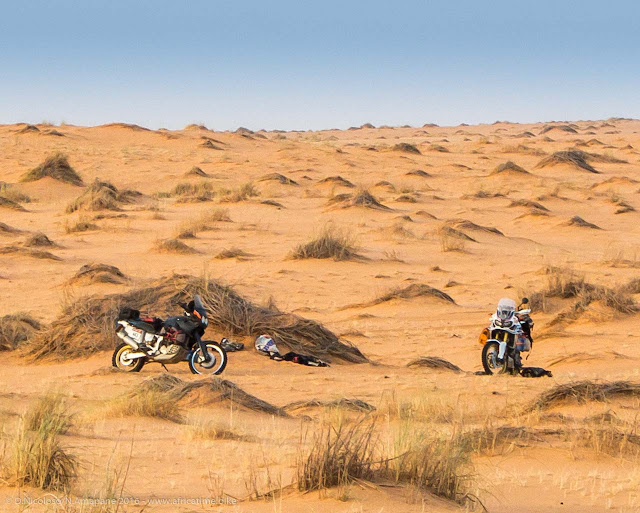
<point x="145" y="326"/>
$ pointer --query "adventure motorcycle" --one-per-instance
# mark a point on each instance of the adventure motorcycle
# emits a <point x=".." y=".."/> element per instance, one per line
<point x="508" y="335"/>
<point x="173" y="340"/>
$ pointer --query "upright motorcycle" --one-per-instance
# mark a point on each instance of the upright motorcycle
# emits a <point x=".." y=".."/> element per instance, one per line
<point x="508" y="335"/>
<point x="174" y="340"/>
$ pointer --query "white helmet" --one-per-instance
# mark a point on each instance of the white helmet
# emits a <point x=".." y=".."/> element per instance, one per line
<point x="506" y="309"/>
<point x="265" y="345"/>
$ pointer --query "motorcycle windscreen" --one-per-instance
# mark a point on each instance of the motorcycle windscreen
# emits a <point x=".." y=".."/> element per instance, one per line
<point x="198" y="306"/>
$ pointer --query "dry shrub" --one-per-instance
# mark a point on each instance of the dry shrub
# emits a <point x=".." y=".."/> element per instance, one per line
<point x="412" y="291"/>
<point x="330" y="243"/>
<point x="174" y="246"/>
<point x="407" y="148"/>
<point x="204" y="392"/>
<point x="216" y="215"/>
<point x="101" y="196"/>
<point x="451" y="241"/>
<point x="439" y="148"/>
<point x="583" y="392"/>
<point x="277" y="177"/>
<point x="7" y="203"/>
<point x="193" y="192"/>
<point x="145" y="403"/>
<point x="573" y="157"/>
<point x="529" y="204"/>
<point x="5" y="228"/>
<point x="55" y="166"/>
<point x="242" y="193"/>
<point x="36" y="457"/>
<point x="39" y="240"/>
<point x="272" y="203"/>
<point x="356" y="405"/>
<point x="33" y="253"/>
<point x="98" y="273"/>
<point x="418" y="172"/>
<point x="509" y="167"/>
<point x="16" y="329"/>
<point x="495" y="440"/>
<point x="12" y="194"/>
<point x="82" y="224"/>
<point x="523" y="149"/>
<point x="434" y="362"/>
<point x="232" y="253"/>
<point x="562" y="128"/>
<point x="581" y="223"/>
<point x="364" y="198"/>
<point x="337" y="181"/>
<point x="213" y="431"/>
<point x="196" y="171"/>
<point x="464" y="224"/>
<point x="85" y="326"/>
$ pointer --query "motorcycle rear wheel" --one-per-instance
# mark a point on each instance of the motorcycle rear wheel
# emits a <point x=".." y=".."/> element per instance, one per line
<point x="120" y="361"/>
<point x="218" y="354"/>
<point x="489" y="356"/>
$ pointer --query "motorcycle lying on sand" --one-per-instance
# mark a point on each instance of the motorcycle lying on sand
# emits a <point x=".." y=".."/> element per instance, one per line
<point x="174" y="340"/>
<point x="506" y="337"/>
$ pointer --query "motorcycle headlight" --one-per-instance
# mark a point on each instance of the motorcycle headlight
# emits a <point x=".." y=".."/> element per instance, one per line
<point x="205" y="321"/>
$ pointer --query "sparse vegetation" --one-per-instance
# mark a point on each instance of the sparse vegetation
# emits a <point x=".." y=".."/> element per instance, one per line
<point x="15" y="329"/>
<point x="82" y="224"/>
<point x="57" y="167"/>
<point x="174" y="246"/>
<point x="11" y="193"/>
<point x="101" y="196"/>
<point x="329" y="243"/>
<point x="242" y="193"/>
<point x="232" y="253"/>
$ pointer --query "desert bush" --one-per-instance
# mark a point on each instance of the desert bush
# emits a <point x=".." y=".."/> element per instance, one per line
<point x="145" y="403"/>
<point x="242" y="193"/>
<point x="12" y="194"/>
<point x="36" y="457"/>
<point x="98" y="273"/>
<point x="55" y="166"/>
<point x="330" y="243"/>
<point x="231" y="253"/>
<point x="583" y="392"/>
<point x="193" y="192"/>
<point x="82" y="224"/>
<point x="16" y="329"/>
<point x="174" y="246"/>
<point x="101" y="196"/>
<point x="449" y="241"/>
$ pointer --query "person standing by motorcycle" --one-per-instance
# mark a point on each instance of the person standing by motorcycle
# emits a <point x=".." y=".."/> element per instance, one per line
<point x="505" y="317"/>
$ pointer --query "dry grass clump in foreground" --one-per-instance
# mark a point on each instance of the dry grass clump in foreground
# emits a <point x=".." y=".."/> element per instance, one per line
<point x="434" y="362"/>
<point x="85" y="326"/>
<point x="584" y="391"/>
<point x="55" y="166"/>
<point x="174" y="246"/>
<point x="98" y="273"/>
<point x="35" y="455"/>
<point x="330" y="243"/>
<point x="145" y="403"/>
<point x="16" y="329"/>
<point x="340" y="454"/>
<point x="101" y="196"/>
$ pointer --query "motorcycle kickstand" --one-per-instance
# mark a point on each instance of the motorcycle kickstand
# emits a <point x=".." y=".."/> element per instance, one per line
<point x="164" y="366"/>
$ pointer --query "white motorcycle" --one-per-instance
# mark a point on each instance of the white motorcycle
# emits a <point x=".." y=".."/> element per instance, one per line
<point x="174" y="340"/>
<point x="508" y="335"/>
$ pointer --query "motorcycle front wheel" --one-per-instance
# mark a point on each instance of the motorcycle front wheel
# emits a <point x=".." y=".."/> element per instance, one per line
<point x="489" y="359"/>
<point x="120" y="359"/>
<point x="196" y="360"/>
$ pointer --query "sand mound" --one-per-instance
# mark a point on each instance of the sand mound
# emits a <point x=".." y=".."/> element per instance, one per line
<point x="415" y="290"/>
<point x="5" y="228"/>
<point x="616" y="180"/>
<point x="561" y="128"/>
<point x="86" y="326"/>
<point x="574" y="158"/>
<point x="584" y="391"/>
<point x="418" y="172"/>
<point x="434" y="362"/>
<point x="33" y="253"/>
<point x="581" y="223"/>
<point x="464" y="224"/>
<point x="452" y="232"/>
<point x="16" y="329"/>
<point x="509" y="167"/>
<point x="196" y="171"/>
<point x="362" y="198"/>
<point x="356" y="405"/>
<point x="232" y="253"/>
<point x="336" y="180"/>
<point x="207" y="391"/>
<point x="7" y="203"/>
<point x="407" y="148"/>
<point x="39" y="240"/>
<point x="277" y="177"/>
<point x="174" y="246"/>
<point x="529" y="204"/>
<point x="55" y="166"/>
<point x="585" y="357"/>
<point x="98" y="273"/>
<point x="127" y="126"/>
<point x="29" y="129"/>
<point x="425" y="214"/>
<point x="438" y="148"/>
<point x="209" y="145"/>
<point x="101" y="196"/>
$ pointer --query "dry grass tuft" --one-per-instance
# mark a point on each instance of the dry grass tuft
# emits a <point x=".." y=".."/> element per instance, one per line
<point x="85" y="326"/>
<point x="33" y="253"/>
<point x="16" y="329"/>
<point x="174" y="246"/>
<point x="82" y="224"/>
<point x="98" y="273"/>
<point x="330" y="243"/>
<point x="36" y="457"/>
<point x="39" y="240"/>
<point x="412" y="291"/>
<point x="529" y="204"/>
<point x="145" y="403"/>
<point x="8" y="203"/>
<point x="101" y="196"/>
<point x="196" y="171"/>
<point x="407" y="148"/>
<point x="434" y="362"/>
<point x="573" y="157"/>
<point x="242" y="193"/>
<point x="463" y="224"/>
<point x="10" y="193"/>
<point x="277" y="177"/>
<point x="581" y="223"/>
<point x="509" y="167"/>
<point x="583" y="392"/>
<point x="337" y="181"/>
<point x="5" y="228"/>
<point x="193" y="192"/>
<point x="232" y="253"/>
<point x="356" y="405"/>
<point x="55" y="166"/>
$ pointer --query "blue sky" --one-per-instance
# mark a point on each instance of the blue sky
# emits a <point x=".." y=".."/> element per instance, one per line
<point x="311" y="65"/>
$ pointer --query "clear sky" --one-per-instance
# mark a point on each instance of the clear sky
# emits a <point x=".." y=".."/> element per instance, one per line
<point x="317" y="64"/>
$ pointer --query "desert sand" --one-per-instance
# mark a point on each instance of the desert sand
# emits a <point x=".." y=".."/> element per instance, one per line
<point x="451" y="218"/>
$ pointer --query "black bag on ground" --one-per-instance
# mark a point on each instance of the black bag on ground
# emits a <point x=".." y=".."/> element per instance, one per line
<point x="534" y="372"/>
<point x="304" y="359"/>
